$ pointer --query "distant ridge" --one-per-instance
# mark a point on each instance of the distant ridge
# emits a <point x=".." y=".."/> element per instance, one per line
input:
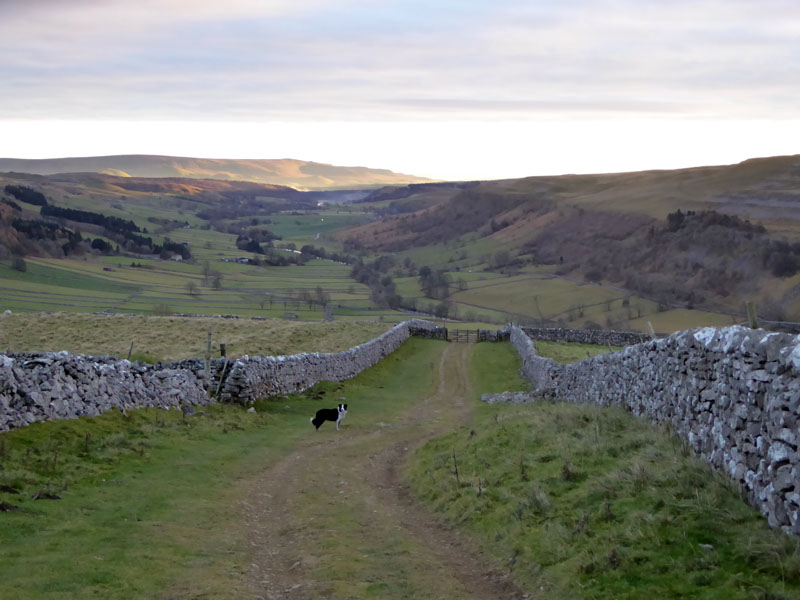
<point x="299" y="174"/>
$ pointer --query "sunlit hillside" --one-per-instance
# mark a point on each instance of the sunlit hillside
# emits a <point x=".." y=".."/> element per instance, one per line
<point x="298" y="174"/>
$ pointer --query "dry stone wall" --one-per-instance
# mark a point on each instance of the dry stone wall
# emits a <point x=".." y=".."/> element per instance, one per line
<point x="732" y="393"/>
<point x="46" y="386"/>
<point x="586" y="336"/>
<point x="264" y="376"/>
<point x="42" y="387"/>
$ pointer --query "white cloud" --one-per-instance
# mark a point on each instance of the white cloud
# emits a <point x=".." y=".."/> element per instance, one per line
<point x="501" y="66"/>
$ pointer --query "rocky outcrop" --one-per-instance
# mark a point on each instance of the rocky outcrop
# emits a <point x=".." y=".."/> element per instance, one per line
<point x="732" y="393"/>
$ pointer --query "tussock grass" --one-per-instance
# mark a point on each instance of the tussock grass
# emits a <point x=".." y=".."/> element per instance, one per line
<point x="174" y="338"/>
<point x="590" y="502"/>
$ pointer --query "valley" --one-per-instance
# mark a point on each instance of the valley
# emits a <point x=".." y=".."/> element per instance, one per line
<point x="622" y="251"/>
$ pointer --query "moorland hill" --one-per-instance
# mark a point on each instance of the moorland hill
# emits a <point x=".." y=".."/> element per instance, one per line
<point x="299" y="174"/>
<point x="708" y="236"/>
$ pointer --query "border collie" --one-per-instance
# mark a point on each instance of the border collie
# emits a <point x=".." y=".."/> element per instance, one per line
<point x="329" y="414"/>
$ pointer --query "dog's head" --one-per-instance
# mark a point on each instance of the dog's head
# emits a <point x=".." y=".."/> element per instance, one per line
<point x="342" y="408"/>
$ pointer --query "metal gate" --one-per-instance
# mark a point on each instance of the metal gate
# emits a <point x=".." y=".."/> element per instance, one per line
<point x="463" y="335"/>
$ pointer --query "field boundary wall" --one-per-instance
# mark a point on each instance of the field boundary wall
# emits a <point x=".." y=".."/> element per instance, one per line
<point x="60" y="385"/>
<point x="733" y="394"/>
<point x="598" y="337"/>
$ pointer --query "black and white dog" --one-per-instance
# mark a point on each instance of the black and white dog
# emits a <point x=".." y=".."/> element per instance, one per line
<point x="329" y="414"/>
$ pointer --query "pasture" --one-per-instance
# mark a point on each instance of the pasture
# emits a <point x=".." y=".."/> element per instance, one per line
<point x="154" y="286"/>
<point x="176" y="338"/>
<point x="536" y="295"/>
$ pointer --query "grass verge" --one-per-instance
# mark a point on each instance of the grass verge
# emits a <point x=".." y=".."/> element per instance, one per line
<point x="589" y="502"/>
<point x="148" y="504"/>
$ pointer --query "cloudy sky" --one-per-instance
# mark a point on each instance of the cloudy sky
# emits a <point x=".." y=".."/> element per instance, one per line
<point x="455" y="89"/>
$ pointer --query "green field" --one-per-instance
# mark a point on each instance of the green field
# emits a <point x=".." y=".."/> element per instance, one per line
<point x="112" y="284"/>
<point x="175" y="338"/>
<point x="308" y="229"/>
<point x="94" y="283"/>
<point x="536" y="295"/>
<point x="681" y="318"/>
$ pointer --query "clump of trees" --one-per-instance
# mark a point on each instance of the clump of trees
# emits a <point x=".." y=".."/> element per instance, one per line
<point x="376" y="277"/>
<point x="114" y="224"/>
<point x="781" y="258"/>
<point x="26" y="194"/>
<point x="435" y="283"/>
<point x="101" y="245"/>
<point x="67" y="240"/>
<point x="18" y="264"/>
<point x="38" y="230"/>
<point x="121" y="230"/>
<point x="709" y="218"/>
<point x="51" y="236"/>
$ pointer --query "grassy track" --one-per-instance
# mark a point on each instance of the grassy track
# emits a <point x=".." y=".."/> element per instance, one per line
<point x="332" y="520"/>
<point x="574" y="501"/>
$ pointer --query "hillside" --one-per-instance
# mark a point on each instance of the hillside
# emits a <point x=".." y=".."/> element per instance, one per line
<point x="613" y="230"/>
<point x="202" y="246"/>
<point x="677" y="249"/>
<point x="298" y="174"/>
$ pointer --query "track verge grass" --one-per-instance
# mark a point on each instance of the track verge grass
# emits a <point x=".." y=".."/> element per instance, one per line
<point x="590" y="502"/>
<point x="149" y="504"/>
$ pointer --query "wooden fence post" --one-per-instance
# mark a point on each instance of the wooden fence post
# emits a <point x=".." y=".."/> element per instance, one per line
<point x="221" y="375"/>
<point x="752" y="317"/>
<point x="208" y="366"/>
